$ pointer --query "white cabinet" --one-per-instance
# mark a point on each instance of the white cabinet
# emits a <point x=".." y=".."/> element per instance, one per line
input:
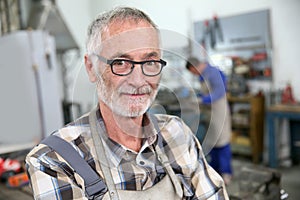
<point x="30" y="101"/>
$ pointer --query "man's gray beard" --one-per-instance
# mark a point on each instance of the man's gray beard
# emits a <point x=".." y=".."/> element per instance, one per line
<point x="111" y="99"/>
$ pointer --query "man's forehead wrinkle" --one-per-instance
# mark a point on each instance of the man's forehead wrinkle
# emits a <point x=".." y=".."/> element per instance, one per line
<point x="120" y="27"/>
<point x="128" y="56"/>
<point x="130" y="40"/>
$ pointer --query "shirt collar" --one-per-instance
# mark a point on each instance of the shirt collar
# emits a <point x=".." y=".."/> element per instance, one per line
<point x="116" y="151"/>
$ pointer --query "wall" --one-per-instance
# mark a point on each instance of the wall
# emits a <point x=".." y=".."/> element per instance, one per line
<point x="77" y="15"/>
<point x="178" y="16"/>
<point x="286" y="48"/>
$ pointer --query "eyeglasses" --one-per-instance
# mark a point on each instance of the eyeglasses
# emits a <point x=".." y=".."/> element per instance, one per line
<point x="123" y="67"/>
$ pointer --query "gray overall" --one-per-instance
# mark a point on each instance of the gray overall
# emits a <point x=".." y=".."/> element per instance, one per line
<point x="219" y="124"/>
<point x="168" y="188"/>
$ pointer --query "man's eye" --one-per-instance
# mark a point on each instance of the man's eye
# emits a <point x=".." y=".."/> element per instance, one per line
<point x="119" y="62"/>
<point x="150" y="63"/>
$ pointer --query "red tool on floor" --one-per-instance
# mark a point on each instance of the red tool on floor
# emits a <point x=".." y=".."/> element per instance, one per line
<point x="9" y="167"/>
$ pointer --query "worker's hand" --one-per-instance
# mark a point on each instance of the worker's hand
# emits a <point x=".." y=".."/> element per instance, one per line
<point x="199" y="95"/>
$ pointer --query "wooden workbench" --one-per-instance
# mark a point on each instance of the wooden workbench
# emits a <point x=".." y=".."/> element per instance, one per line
<point x="289" y="112"/>
<point x="285" y="108"/>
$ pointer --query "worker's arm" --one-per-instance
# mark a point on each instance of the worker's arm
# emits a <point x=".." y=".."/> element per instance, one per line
<point x="217" y="83"/>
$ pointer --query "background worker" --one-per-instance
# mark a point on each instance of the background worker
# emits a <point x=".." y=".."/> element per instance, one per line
<point x="138" y="155"/>
<point x="216" y="108"/>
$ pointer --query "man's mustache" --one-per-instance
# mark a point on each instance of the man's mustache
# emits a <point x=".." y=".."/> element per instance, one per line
<point x="133" y="90"/>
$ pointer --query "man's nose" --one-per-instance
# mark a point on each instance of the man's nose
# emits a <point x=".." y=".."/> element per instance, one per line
<point x="136" y="77"/>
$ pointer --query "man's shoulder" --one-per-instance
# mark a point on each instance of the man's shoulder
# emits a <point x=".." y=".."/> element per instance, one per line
<point x="171" y="125"/>
<point x="177" y="136"/>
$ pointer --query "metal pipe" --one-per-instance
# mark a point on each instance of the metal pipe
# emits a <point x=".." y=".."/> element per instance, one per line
<point x="19" y="11"/>
<point x="1" y="17"/>
<point x="6" y="10"/>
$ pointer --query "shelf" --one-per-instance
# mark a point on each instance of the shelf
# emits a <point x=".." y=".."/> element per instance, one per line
<point x="240" y="126"/>
<point x="240" y="48"/>
<point x="242" y="99"/>
<point x="241" y="149"/>
<point x="247" y="125"/>
<point x="260" y="78"/>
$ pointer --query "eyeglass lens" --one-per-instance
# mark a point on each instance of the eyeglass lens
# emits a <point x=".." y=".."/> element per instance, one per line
<point x="124" y="67"/>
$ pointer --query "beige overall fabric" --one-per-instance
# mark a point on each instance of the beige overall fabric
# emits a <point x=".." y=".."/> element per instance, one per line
<point x="163" y="190"/>
<point x="168" y="188"/>
<point x="219" y="121"/>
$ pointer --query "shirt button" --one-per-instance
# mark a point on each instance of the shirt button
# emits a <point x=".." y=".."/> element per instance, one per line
<point x="142" y="162"/>
<point x="159" y="158"/>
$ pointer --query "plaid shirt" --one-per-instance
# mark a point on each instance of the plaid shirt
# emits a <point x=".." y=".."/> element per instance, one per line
<point x="53" y="178"/>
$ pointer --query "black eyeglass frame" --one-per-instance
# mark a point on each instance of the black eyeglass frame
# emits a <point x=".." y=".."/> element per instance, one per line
<point x="111" y="62"/>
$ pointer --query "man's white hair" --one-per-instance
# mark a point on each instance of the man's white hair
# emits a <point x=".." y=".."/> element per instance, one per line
<point x="101" y="23"/>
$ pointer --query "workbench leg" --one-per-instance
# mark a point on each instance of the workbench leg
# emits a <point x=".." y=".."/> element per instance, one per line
<point x="272" y="141"/>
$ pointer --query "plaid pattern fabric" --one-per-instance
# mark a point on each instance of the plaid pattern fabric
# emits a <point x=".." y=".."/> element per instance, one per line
<point x="53" y="178"/>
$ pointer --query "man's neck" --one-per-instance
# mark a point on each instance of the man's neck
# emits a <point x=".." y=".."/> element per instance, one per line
<point x="126" y="131"/>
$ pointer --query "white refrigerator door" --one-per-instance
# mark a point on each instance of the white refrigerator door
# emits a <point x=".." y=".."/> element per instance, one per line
<point x="30" y="103"/>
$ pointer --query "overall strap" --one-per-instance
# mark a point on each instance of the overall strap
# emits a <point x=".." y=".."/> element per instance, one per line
<point x="163" y="159"/>
<point x="100" y="151"/>
<point x="92" y="181"/>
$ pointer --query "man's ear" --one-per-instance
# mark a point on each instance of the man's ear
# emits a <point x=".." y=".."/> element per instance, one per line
<point x="89" y="68"/>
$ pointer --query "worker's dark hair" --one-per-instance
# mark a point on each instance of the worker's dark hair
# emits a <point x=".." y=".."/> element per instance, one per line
<point x="192" y="62"/>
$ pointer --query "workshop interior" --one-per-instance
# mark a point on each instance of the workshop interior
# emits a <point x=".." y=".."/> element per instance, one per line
<point x="44" y="84"/>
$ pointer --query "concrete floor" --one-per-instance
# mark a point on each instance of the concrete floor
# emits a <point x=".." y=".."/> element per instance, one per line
<point x="15" y="194"/>
<point x="290" y="178"/>
<point x="290" y="182"/>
